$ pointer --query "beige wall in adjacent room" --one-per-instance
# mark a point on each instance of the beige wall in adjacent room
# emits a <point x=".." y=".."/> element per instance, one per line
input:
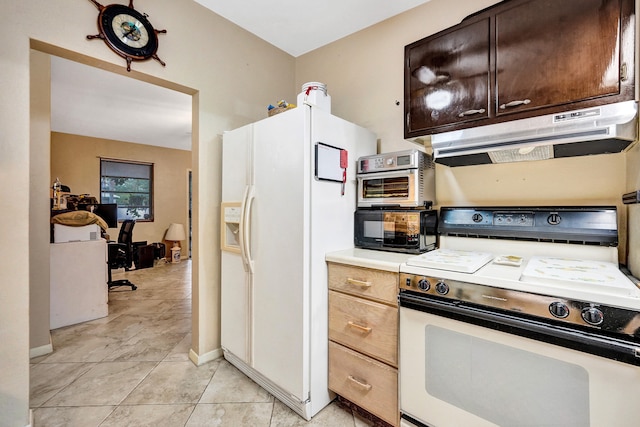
<point x="232" y="76"/>
<point x="76" y="161"/>
<point x="364" y="74"/>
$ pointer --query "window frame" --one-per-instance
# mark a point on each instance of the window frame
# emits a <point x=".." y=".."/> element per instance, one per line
<point x="150" y="193"/>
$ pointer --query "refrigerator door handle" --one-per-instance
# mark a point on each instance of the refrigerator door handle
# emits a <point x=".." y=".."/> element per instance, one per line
<point x="245" y="229"/>
<point x="241" y="234"/>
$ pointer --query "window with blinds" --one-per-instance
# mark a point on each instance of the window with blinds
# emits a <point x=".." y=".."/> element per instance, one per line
<point x="130" y="186"/>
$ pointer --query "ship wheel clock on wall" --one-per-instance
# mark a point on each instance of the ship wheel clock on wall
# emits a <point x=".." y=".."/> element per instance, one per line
<point x="127" y="32"/>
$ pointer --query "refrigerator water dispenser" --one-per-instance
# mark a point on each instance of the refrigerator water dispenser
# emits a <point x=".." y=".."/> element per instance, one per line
<point x="230" y="229"/>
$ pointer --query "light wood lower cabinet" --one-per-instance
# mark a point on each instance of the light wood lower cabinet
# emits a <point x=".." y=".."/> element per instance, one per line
<point x="363" y="334"/>
<point x="367" y="326"/>
<point x="376" y="285"/>
<point x="370" y="384"/>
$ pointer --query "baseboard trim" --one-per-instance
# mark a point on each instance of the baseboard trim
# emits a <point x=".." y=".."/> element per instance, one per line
<point x="201" y="359"/>
<point x="42" y="350"/>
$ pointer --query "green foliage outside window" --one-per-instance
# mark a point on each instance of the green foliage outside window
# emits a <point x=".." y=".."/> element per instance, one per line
<point x="130" y="186"/>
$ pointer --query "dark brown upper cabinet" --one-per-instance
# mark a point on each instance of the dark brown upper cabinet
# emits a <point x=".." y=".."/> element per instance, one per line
<point x="518" y="59"/>
<point x="449" y="77"/>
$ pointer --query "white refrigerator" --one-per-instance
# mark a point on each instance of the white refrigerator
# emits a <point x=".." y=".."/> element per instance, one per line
<point x="282" y="210"/>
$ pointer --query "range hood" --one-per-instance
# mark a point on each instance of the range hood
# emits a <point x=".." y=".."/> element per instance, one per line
<point x="597" y="130"/>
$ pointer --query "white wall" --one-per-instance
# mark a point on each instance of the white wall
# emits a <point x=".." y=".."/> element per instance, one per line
<point x="232" y="76"/>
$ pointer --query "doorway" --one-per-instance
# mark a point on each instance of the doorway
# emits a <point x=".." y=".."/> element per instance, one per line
<point x="43" y="111"/>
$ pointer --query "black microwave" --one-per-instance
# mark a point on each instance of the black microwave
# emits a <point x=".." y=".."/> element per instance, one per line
<point x="397" y="230"/>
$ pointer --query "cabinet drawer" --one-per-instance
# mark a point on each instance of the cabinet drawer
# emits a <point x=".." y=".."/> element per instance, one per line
<point x="370" y="384"/>
<point x="374" y="284"/>
<point x="365" y="326"/>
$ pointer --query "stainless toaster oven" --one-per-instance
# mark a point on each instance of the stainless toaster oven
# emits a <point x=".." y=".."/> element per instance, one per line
<point x="401" y="179"/>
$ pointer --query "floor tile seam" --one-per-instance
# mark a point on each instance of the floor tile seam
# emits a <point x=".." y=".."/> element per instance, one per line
<point x="129" y="405"/>
<point x="160" y="359"/>
<point x="115" y="407"/>
<point x="238" y="403"/>
<point x="213" y="374"/>
<point x="273" y="410"/>
<point x="86" y="405"/>
<point x="141" y="380"/>
<point x="60" y="362"/>
<point x="231" y="403"/>
<point x="89" y="368"/>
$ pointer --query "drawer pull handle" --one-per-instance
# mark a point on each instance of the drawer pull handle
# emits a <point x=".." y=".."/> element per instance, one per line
<point x="364" y="329"/>
<point x="358" y="282"/>
<point x="359" y="382"/>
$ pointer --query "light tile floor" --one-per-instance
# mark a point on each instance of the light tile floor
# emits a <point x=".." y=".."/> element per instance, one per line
<point x="132" y="369"/>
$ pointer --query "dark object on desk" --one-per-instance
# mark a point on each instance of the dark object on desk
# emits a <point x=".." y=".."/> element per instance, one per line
<point x="121" y="254"/>
<point x="107" y="211"/>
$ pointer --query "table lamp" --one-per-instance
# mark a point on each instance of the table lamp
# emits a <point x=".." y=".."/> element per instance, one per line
<point x="176" y="234"/>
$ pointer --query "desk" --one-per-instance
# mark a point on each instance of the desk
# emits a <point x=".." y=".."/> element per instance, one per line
<point x="78" y="280"/>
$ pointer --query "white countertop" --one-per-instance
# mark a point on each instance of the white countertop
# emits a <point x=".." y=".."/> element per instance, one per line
<point x="367" y="258"/>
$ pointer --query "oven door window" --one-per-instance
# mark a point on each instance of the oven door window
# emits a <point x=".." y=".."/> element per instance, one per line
<point x="396" y="187"/>
<point x="451" y="370"/>
<point x="474" y="374"/>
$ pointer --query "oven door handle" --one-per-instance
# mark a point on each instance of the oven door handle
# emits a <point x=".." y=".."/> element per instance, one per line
<point x="619" y="349"/>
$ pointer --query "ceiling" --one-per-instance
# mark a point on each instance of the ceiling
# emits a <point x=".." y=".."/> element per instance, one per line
<point x="93" y="102"/>
<point x="90" y="101"/>
<point x="298" y="27"/>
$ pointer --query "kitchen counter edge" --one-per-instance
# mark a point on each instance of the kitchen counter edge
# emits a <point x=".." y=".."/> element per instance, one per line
<point x="367" y="258"/>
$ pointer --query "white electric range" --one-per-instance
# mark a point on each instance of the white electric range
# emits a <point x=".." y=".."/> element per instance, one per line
<point x="522" y="314"/>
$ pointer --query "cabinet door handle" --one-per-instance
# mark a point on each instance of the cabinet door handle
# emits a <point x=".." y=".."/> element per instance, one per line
<point x="358" y="282"/>
<point x="365" y="329"/>
<point x="359" y="382"/>
<point x="515" y="103"/>
<point x="471" y="112"/>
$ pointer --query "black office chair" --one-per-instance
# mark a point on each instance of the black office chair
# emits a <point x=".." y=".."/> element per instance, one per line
<point x="121" y="254"/>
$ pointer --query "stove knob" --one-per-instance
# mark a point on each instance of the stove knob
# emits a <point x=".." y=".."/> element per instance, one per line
<point x="442" y="288"/>
<point x="424" y="284"/>
<point x="554" y="219"/>
<point x="592" y="316"/>
<point x="559" y="309"/>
